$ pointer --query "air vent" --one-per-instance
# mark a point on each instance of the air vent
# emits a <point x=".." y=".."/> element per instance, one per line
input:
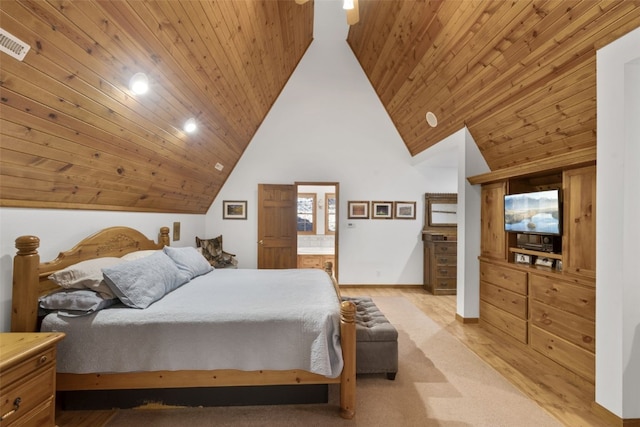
<point x="219" y="167"/>
<point x="12" y="45"/>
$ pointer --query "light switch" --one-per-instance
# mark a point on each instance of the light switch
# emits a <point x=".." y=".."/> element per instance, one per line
<point x="176" y="231"/>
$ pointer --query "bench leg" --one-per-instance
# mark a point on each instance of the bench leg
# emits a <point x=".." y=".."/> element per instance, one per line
<point x="391" y="376"/>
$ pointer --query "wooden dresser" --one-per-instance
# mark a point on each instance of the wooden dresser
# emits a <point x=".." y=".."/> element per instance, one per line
<point x="28" y="378"/>
<point x="440" y="265"/>
<point x="440" y="237"/>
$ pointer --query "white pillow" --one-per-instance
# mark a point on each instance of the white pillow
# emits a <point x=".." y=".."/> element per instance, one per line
<point x="188" y="260"/>
<point x="142" y="282"/>
<point x="86" y="275"/>
<point x="132" y="256"/>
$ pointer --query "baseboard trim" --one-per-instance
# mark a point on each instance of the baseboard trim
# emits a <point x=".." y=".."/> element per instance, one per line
<point x="467" y="320"/>
<point x="612" y="419"/>
<point x="360" y="285"/>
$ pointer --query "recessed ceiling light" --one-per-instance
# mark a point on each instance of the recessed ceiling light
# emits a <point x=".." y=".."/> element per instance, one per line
<point x="432" y="120"/>
<point x="190" y="125"/>
<point x="139" y="83"/>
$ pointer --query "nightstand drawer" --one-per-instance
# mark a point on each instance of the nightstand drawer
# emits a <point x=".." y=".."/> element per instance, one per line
<point x="40" y="361"/>
<point x="26" y="395"/>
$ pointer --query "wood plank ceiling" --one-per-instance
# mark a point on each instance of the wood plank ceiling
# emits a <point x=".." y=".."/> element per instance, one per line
<point x="520" y="74"/>
<point x="74" y="136"/>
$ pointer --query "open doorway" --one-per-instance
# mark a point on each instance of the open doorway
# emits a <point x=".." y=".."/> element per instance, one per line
<point x="317" y="224"/>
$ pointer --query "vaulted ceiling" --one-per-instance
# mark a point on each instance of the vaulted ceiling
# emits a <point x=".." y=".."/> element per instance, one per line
<point x="519" y="74"/>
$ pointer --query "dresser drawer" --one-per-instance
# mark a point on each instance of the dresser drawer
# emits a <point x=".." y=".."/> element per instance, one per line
<point x="508" y="278"/>
<point x="564" y="295"/>
<point x="504" y="299"/>
<point x="446" y="283"/>
<point x="506" y="322"/>
<point x="446" y="259"/>
<point x="30" y="393"/>
<point x="444" y="248"/>
<point x="446" y="271"/>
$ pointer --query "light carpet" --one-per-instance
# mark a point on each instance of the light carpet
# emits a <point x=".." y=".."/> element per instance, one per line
<point x="439" y="383"/>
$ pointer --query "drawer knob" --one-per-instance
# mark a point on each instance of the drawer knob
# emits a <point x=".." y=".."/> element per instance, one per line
<point x="16" y="406"/>
<point x="43" y="360"/>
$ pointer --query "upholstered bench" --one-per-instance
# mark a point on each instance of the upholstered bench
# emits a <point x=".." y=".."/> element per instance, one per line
<point x="376" y="340"/>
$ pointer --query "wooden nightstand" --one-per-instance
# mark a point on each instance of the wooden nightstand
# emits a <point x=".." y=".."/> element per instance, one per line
<point x="28" y="378"/>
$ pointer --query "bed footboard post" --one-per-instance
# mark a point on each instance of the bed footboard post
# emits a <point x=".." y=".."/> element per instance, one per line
<point x="24" y="300"/>
<point x="348" y="376"/>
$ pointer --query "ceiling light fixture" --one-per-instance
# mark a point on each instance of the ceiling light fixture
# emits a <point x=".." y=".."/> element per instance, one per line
<point x="139" y="83"/>
<point x="347" y="4"/>
<point x="190" y="125"/>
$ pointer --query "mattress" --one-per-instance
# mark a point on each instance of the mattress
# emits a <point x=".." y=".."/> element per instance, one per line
<point x="241" y="319"/>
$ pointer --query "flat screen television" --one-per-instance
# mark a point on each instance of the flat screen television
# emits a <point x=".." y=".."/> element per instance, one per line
<point x="537" y="212"/>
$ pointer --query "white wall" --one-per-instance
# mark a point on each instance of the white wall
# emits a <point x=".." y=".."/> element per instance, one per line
<point x="471" y="163"/>
<point x="618" y="229"/>
<point x="328" y="125"/>
<point x="61" y="229"/>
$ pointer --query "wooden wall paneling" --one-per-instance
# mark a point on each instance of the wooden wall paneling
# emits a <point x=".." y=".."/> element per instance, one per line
<point x="537" y="110"/>
<point x="106" y="157"/>
<point x="439" y="63"/>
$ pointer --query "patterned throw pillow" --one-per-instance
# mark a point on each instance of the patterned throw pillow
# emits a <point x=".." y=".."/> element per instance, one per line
<point x="212" y="251"/>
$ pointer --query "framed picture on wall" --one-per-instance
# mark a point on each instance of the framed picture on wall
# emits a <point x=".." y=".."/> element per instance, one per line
<point x="358" y="210"/>
<point x="381" y="210"/>
<point x="234" y="209"/>
<point x="404" y="210"/>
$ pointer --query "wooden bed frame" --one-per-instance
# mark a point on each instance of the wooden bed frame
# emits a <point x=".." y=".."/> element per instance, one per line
<point x="30" y="282"/>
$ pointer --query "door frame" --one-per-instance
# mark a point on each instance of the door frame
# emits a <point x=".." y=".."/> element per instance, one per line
<point x="336" y="186"/>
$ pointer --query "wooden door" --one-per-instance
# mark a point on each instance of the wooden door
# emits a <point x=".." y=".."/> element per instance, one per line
<point x="277" y="231"/>
<point x="579" y="234"/>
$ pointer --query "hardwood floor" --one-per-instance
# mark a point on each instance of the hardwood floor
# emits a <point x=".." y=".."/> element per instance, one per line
<point x="564" y="395"/>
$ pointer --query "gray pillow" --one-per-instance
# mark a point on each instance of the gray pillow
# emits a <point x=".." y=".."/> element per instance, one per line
<point x="188" y="260"/>
<point x="142" y="282"/>
<point x="75" y="302"/>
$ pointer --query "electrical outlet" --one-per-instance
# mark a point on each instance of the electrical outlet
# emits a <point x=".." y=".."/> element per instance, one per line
<point x="176" y="231"/>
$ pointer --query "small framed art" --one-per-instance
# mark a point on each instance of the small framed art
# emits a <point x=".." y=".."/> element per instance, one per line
<point x="358" y="210"/>
<point x="523" y="258"/>
<point x="234" y="209"/>
<point x="544" y="262"/>
<point x="381" y="210"/>
<point x="404" y="210"/>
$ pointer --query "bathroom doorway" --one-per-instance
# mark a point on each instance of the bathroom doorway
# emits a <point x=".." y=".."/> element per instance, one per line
<point x="317" y="224"/>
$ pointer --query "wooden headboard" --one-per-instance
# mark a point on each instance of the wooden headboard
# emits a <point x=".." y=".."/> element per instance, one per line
<point x="30" y="276"/>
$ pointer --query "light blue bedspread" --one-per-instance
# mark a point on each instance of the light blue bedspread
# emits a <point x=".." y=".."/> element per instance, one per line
<point x="227" y="319"/>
